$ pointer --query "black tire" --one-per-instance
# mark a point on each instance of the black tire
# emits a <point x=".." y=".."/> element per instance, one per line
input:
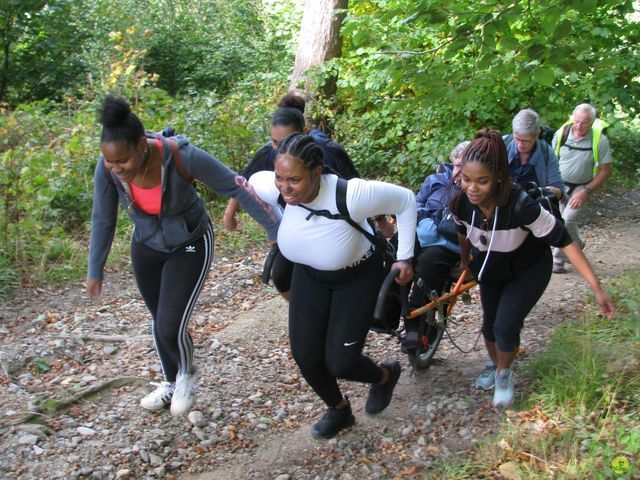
<point x="431" y="333"/>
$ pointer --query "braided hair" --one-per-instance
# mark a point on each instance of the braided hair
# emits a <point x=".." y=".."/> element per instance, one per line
<point x="119" y="123"/>
<point x="489" y="149"/>
<point x="304" y="148"/>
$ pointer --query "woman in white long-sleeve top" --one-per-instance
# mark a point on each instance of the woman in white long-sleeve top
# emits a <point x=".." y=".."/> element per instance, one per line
<point x="337" y="274"/>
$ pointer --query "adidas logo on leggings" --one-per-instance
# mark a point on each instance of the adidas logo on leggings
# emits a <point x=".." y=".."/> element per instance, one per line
<point x="190" y="249"/>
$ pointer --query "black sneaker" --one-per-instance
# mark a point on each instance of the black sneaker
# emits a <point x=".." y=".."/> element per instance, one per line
<point x="380" y="394"/>
<point x="333" y="421"/>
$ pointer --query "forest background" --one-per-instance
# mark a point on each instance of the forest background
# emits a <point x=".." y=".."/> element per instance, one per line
<point x="413" y="79"/>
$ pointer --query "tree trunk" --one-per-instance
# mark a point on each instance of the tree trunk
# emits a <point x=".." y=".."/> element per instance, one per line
<point x="319" y="41"/>
<point x="6" y="51"/>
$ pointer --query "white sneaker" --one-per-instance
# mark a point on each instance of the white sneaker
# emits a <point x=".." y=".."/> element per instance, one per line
<point x="159" y="398"/>
<point x="503" y="393"/>
<point x="183" y="394"/>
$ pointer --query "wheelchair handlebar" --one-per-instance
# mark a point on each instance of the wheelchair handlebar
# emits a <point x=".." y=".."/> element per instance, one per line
<point x="268" y="263"/>
<point x="378" y="313"/>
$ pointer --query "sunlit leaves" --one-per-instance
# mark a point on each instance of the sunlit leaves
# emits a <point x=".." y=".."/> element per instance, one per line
<point x="472" y="64"/>
<point x="544" y="76"/>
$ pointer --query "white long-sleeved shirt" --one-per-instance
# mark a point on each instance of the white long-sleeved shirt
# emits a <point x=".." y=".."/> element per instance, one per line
<point x="327" y="244"/>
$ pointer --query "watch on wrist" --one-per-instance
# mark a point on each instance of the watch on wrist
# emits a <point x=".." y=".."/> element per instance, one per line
<point x="587" y="189"/>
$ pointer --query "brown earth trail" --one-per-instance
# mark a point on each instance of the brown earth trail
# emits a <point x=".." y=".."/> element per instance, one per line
<point x="255" y="409"/>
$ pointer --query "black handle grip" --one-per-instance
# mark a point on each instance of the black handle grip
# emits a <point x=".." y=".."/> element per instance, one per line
<point x="378" y="313"/>
<point x="268" y="263"/>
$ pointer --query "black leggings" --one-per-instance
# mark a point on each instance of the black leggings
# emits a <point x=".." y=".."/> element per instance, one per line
<point x="330" y="313"/>
<point x="506" y="305"/>
<point x="433" y="266"/>
<point x="170" y="284"/>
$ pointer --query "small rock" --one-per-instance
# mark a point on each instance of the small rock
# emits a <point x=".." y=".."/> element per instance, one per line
<point x="37" y="450"/>
<point x="197" y="418"/>
<point x="200" y="434"/>
<point x="110" y="349"/>
<point x="28" y="439"/>
<point x="155" y="460"/>
<point x="124" y="473"/>
<point x="144" y="455"/>
<point x="86" y="431"/>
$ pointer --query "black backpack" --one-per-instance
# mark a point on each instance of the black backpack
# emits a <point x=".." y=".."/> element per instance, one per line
<point x="546" y="133"/>
<point x="545" y="197"/>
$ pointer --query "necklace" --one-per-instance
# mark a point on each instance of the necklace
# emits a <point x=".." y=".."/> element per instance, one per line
<point x="145" y="164"/>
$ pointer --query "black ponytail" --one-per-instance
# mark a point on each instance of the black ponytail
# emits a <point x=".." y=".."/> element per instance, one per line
<point x="290" y="112"/>
<point x="119" y="123"/>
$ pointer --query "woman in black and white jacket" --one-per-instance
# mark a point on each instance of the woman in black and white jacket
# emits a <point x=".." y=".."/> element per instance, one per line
<point x="337" y="274"/>
<point x="505" y="242"/>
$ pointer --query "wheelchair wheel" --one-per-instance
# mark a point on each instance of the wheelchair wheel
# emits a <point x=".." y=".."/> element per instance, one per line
<point x="431" y="330"/>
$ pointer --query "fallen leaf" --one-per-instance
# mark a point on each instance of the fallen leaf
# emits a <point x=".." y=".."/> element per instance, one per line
<point x="510" y="471"/>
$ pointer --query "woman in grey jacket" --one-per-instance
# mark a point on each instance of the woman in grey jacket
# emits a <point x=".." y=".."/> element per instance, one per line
<point x="530" y="158"/>
<point x="172" y="245"/>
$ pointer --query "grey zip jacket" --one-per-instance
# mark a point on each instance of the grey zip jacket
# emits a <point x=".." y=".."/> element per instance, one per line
<point x="183" y="217"/>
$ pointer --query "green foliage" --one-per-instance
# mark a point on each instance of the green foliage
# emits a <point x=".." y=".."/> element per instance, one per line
<point x="416" y="78"/>
<point x="439" y="71"/>
<point x="45" y="190"/>
<point x="41" y="366"/>
<point x="625" y="148"/>
<point x="190" y="56"/>
<point x="249" y="235"/>
<point x="48" y="149"/>
<point x="50" y="49"/>
<point x="42" y="48"/>
<point x="584" y="413"/>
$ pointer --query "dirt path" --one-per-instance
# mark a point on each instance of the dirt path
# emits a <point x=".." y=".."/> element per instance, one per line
<point x="256" y="410"/>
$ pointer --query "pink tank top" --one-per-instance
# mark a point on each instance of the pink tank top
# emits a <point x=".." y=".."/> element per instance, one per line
<point x="149" y="200"/>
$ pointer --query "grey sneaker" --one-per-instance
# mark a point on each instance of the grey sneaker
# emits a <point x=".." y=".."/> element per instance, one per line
<point x="558" y="267"/>
<point x="487" y="377"/>
<point x="503" y="394"/>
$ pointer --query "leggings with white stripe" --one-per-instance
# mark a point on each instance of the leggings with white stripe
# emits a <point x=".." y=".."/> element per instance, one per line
<point x="170" y="284"/>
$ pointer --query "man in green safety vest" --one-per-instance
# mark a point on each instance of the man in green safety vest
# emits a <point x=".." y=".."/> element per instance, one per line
<point x="585" y="164"/>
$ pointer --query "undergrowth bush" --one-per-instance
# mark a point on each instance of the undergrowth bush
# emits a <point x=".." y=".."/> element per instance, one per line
<point x="581" y="419"/>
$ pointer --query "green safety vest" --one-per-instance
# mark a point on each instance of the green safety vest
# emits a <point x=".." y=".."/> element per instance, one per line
<point x="597" y="128"/>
